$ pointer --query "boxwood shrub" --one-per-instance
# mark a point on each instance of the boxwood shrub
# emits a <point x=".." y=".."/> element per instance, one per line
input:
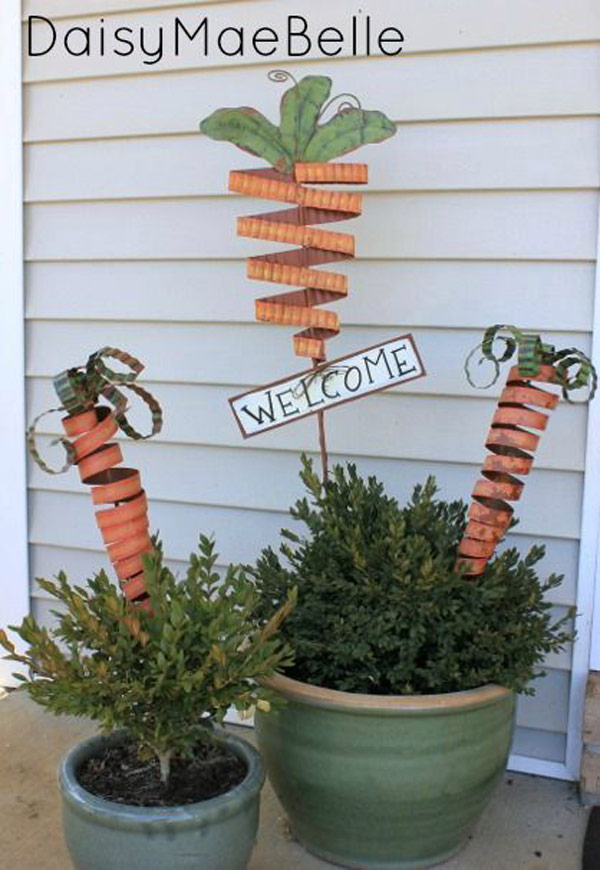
<point x="380" y="607"/>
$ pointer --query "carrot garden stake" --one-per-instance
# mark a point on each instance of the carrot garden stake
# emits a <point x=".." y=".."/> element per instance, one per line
<point x="523" y="406"/>
<point x="299" y="151"/>
<point x="89" y="428"/>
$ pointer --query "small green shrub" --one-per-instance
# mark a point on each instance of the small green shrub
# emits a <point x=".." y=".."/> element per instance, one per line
<point x="380" y="608"/>
<point x="164" y="675"/>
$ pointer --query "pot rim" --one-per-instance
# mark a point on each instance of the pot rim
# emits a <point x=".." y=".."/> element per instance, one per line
<point x="129" y="818"/>
<point x="319" y="696"/>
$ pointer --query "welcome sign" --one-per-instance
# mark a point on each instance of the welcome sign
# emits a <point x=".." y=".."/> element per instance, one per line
<point x="370" y="370"/>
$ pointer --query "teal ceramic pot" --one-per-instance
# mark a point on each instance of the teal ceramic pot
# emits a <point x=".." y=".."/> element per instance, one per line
<point x="385" y="782"/>
<point x="216" y="834"/>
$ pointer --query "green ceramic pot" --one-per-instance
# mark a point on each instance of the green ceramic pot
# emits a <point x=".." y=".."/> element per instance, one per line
<point x="385" y="782"/>
<point x="216" y="834"/>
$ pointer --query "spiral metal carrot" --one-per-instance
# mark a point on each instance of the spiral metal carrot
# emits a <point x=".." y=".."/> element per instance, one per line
<point x="89" y="428"/>
<point x="301" y="226"/>
<point x="511" y="445"/>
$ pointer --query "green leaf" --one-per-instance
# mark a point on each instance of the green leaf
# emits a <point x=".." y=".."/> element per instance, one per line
<point x="177" y="614"/>
<point x="5" y="642"/>
<point x="252" y="132"/>
<point x="347" y="131"/>
<point x="300" y="110"/>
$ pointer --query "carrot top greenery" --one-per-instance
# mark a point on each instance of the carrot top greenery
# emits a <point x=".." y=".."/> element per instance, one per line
<point x="302" y="135"/>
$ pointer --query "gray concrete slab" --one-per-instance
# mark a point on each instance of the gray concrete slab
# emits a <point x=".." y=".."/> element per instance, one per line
<point x="532" y="824"/>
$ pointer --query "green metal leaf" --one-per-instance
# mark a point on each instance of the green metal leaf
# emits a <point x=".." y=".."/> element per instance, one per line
<point x="347" y="131"/>
<point x="300" y="110"/>
<point x="252" y="132"/>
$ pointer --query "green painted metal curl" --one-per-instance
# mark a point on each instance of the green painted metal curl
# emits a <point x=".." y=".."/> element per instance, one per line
<point x="80" y="388"/>
<point x="532" y="354"/>
<point x="300" y="137"/>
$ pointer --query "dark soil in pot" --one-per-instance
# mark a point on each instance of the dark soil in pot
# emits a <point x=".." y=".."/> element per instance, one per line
<point x="120" y="776"/>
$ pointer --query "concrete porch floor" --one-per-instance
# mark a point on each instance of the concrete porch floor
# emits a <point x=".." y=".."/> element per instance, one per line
<point x="532" y="824"/>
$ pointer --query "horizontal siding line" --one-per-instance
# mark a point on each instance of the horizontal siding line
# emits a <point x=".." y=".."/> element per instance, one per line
<point x="117" y="260"/>
<point x="102" y="552"/>
<point x="110" y="13"/>
<point x="139" y="6"/>
<point x="198" y="70"/>
<point x="251" y="508"/>
<point x="250" y="446"/>
<point x="39" y="595"/>
<point x="137" y="321"/>
<point x="367" y="194"/>
<point x="479" y="395"/>
<point x="301" y="63"/>
<point x="399" y="123"/>
<point x="169" y="501"/>
<point x="80" y="549"/>
<point x="360" y="259"/>
<point x="334" y="456"/>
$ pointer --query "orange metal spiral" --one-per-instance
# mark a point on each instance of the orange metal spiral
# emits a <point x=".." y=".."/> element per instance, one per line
<point x="511" y="447"/>
<point x="124" y="526"/>
<point x="300" y="226"/>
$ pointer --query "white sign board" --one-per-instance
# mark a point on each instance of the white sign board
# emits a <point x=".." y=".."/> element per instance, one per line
<point x="334" y="383"/>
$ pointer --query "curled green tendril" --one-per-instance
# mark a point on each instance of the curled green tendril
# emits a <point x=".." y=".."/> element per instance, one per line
<point x="532" y="354"/>
<point x="79" y="389"/>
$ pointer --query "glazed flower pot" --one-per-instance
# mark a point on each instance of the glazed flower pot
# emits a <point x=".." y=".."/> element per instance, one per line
<point x="217" y="834"/>
<point x="385" y="782"/>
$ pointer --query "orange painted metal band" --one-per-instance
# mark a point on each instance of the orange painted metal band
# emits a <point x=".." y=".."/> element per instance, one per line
<point x="80" y="423"/>
<point x="520" y="417"/>
<point x="129" y="510"/>
<point x="510" y="464"/>
<point x="499" y="517"/>
<point x="129" y="547"/>
<point x="134" y="588"/>
<point x="331" y="173"/>
<point x="483" y="532"/>
<point x="529" y="396"/>
<point x="498" y="489"/>
<point x="513" y="438"/>
<point x="96" y="437"/>
<point x="121" y="531"/>
<point x="130" y="567"/>
<point x="477" y="549"/>
<point x="124" y="483"/>
<point x="103" y="459"/>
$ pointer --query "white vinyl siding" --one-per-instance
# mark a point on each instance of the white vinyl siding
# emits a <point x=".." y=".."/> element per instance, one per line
<point x="482" y="209"/>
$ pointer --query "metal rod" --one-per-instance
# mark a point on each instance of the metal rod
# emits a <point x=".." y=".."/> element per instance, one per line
<point x="322" y="436"/>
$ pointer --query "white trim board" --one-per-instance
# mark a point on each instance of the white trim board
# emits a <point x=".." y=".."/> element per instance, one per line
<point x="586" y="653"/>
<point x="14" y="573"/>
<point x="539" y="767"/>
<point x="593" y="450"/>
<point x="586" y="649"/>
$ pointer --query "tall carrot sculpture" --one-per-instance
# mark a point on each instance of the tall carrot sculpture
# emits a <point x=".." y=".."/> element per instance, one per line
<point x="89" y="427"/>
<point x="522" y="406"/>
<point x="299" y="151"/>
